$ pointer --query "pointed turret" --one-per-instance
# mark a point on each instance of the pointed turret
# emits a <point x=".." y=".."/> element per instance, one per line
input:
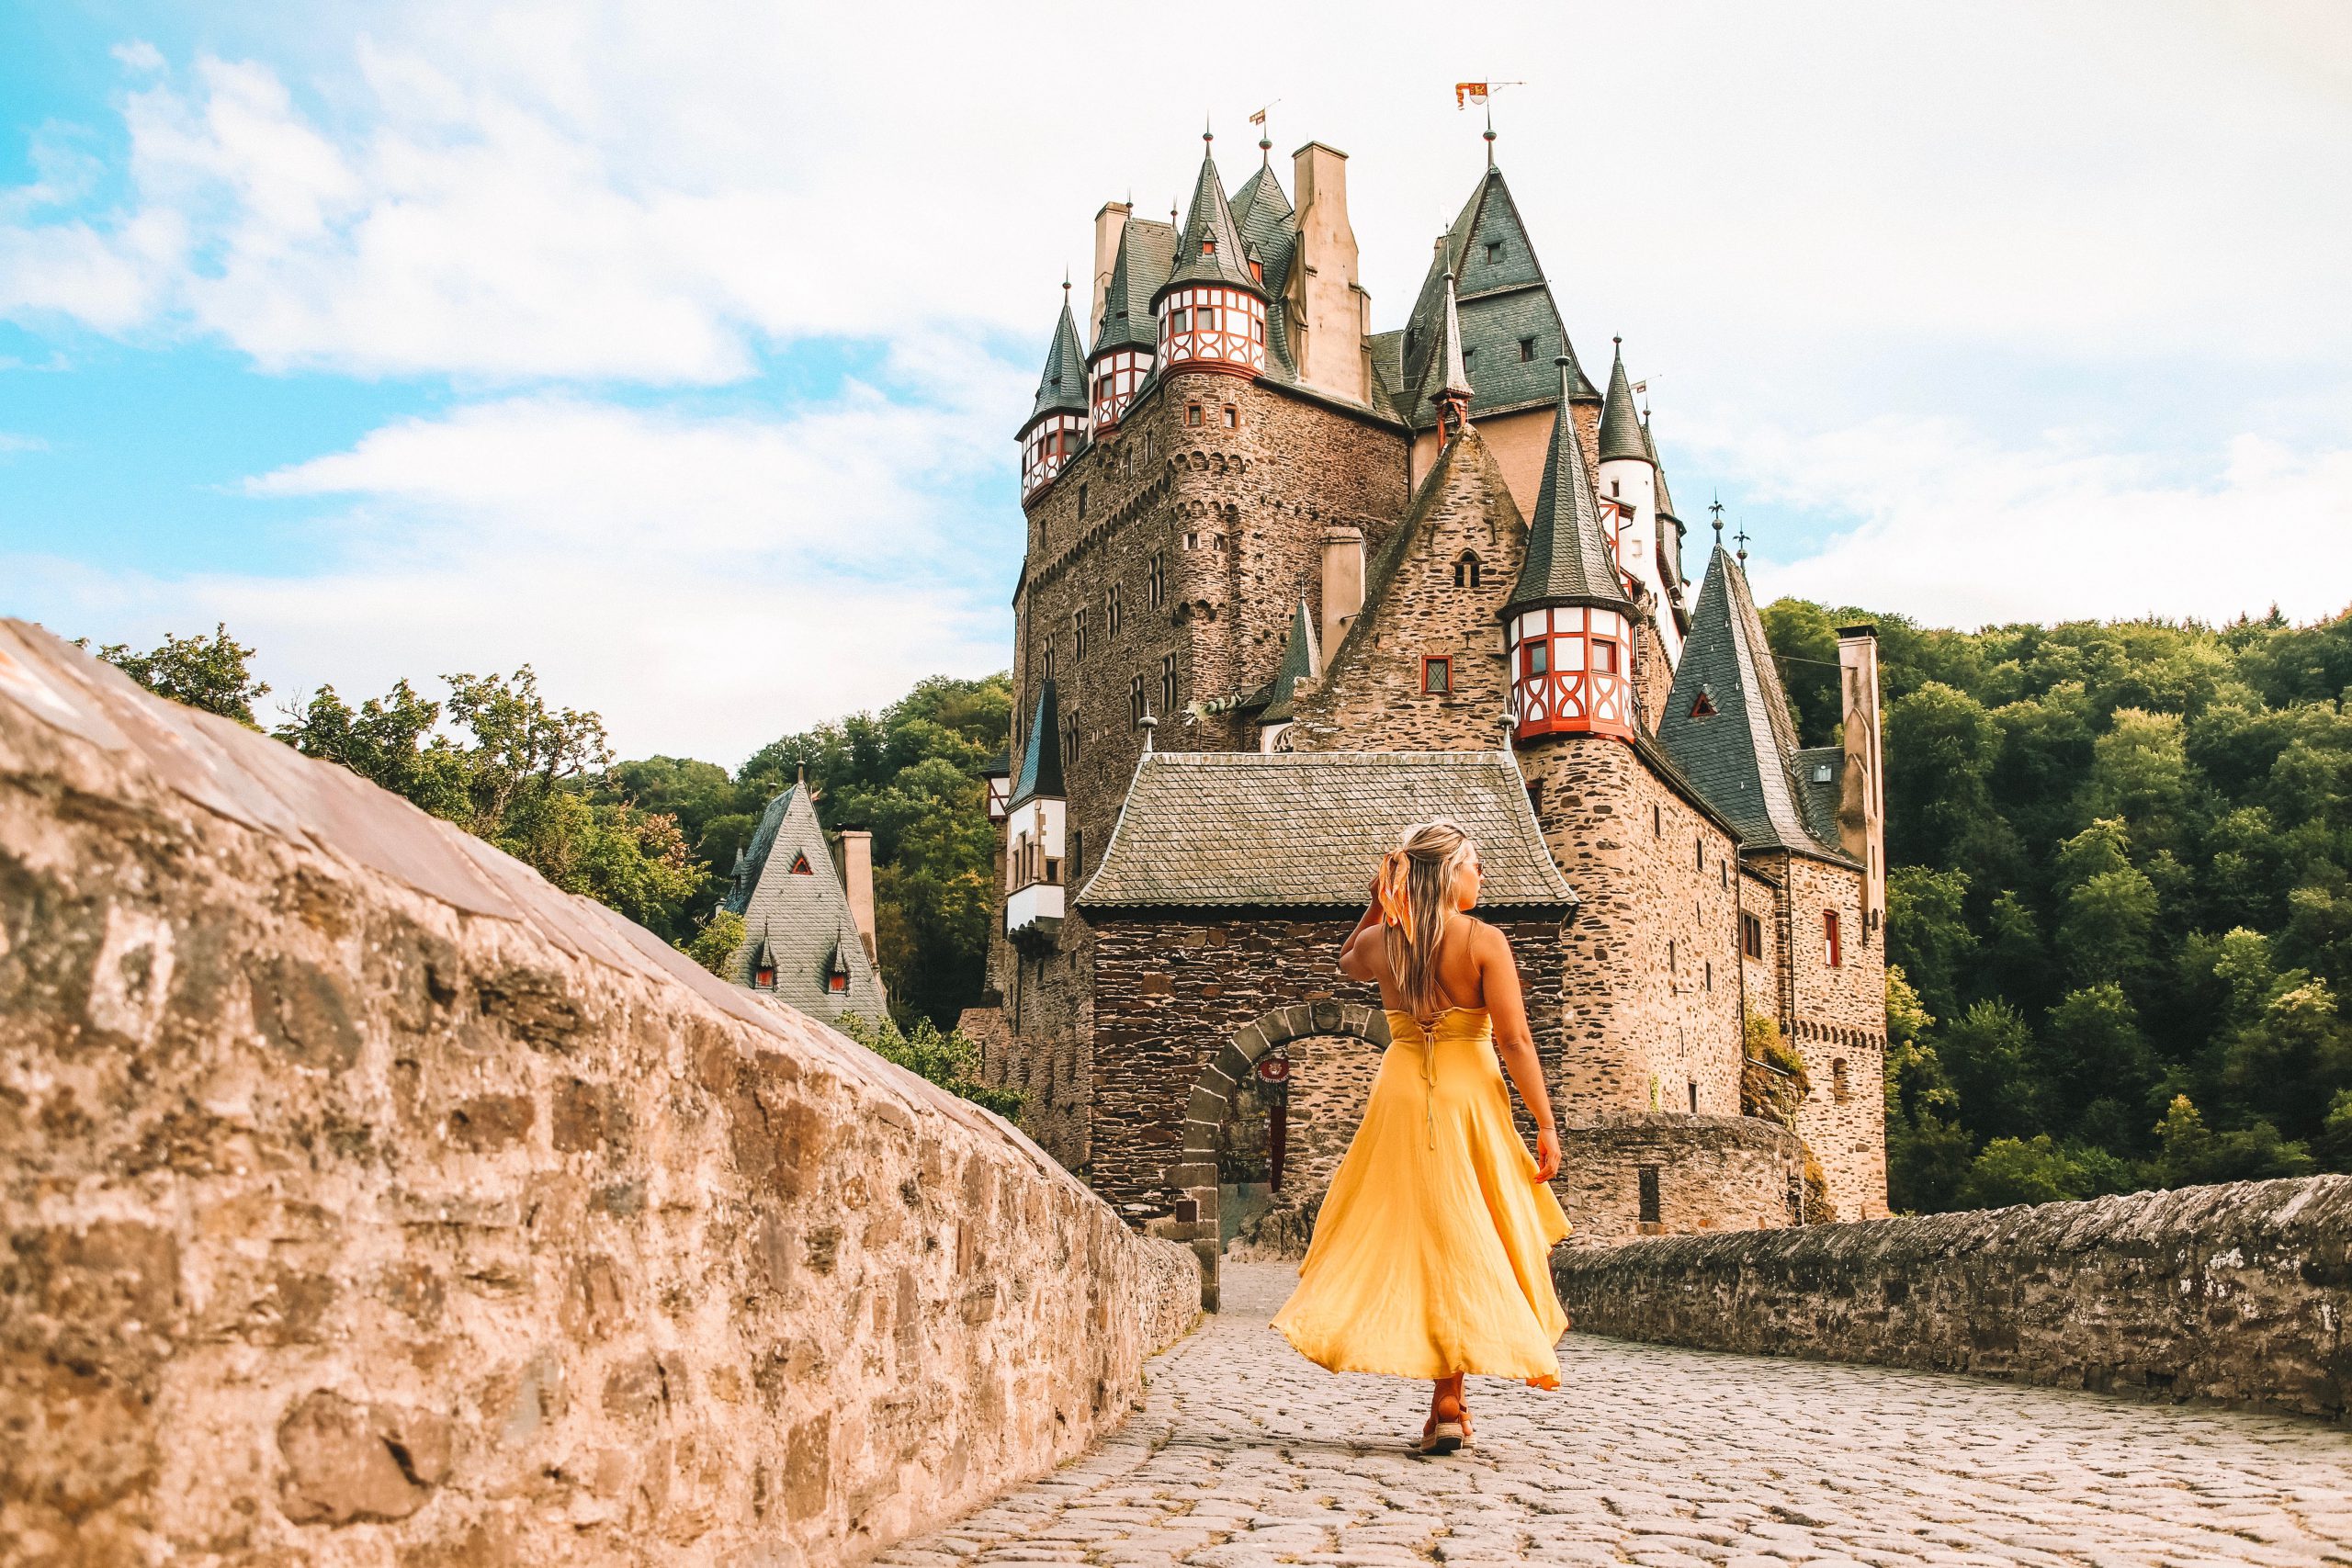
<point x="1568" y="618"/>
<point x="793" y="902"/>
<point x="1035" y="824"/>
<point x="1057" y="424"/>
<point x="1128" y="338"/>
<point x="1212" y="309"/>
<point x="1727" y="724"/>
<point x="1452" y="394"/>
<point x="1669" y="543"/>
<point x="1302" y="661"/>
<point x="1621" y="421"/>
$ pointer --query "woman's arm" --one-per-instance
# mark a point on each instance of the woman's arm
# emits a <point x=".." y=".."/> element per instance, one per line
<point x="1515" y="1042"/>
<point x="1356" y="953"/>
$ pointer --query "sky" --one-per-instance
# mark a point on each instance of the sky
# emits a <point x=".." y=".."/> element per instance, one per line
<point x="678" y="349"/>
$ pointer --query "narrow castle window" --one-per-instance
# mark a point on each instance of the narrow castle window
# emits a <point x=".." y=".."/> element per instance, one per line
<point x="1114" y="610"/>
<point x="1437" y="675"/>
<point x="1701" y="845"/>
<point x="1078" y="634"/>
<point x="1081" y="503"/>
<point x="1494" y="253"/>
<point x="1526" y="349"/>
<point x="1646" y="1177"/>
<point x="1232" y="417"/>
<point x="1838" y="1087"/>
<point x="1466" y="570"/>
<point x="1167" y="683"/>
<point x="1694" y="1096"/>
<point x="1831" y="953"/>
<point x="1536" y="796"/>
<point x="1193" y="413"/>
<point x="1135" y="699"/>
<point x="1751" y="936"/>
<point x="1048" y="659"/>
<point x="1159" y="579"/>
<point x="1669" y="955"/>
<point x="1711" y="974"/>
<point x="1069" y="742"/>
<point x="1077" y="854"/>
<point x="1658" y="821"/>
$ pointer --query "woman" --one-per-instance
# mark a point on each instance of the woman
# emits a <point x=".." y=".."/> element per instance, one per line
<point x="1430" y="1254"/>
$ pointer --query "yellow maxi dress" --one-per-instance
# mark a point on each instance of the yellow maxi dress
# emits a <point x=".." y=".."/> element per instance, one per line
<point x="1430" y="1254"/>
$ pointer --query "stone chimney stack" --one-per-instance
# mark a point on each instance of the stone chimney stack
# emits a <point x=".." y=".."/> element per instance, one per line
<point x="1109" y="224"/>
<point x="1342" y="586"/>
<point x="1332" y="309"/>
<point x="857" y="880"/>
<point x="1861" y="802"/>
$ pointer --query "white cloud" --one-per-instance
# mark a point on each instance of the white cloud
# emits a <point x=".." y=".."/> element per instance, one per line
<point x="706" y="585"/>
<point x="1953" y="530"/>
<point x="14" y="441"/>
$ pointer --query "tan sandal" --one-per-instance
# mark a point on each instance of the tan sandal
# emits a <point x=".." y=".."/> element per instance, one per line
<point x="1443" y="1438"/>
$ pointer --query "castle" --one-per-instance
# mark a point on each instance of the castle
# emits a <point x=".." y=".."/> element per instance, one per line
<point x="1291" y="585"/>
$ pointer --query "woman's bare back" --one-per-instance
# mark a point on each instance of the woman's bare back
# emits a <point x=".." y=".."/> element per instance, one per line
<point x="1460" y="978"/>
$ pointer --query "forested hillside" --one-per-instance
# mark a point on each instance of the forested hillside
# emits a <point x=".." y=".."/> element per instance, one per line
<point x="2118" y="892"/>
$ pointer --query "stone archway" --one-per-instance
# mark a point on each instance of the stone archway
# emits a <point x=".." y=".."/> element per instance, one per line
<point x="1195" y="1174"/>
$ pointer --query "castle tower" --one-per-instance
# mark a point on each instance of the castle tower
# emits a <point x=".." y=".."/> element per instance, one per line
<point x="1036" y="825"/>
<point x="1056" y="428"/>
<point x="1568" y="623"/>
<point x="1212" y="309"/>
<point x="1629" y="485"/>
<point x="1126" y="338"/>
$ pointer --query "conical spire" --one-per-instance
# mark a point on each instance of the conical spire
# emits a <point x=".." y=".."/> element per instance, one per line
<point x="1146" y="251"/>
<point x="1302" y="659"/>
<point x="1739" y="747"/>
<point x="1568" y="560"/>
<point x="1457" y="374"/>
<point x="1040" y="756"/>
<point x="1209" y="249"/>
<point x="1621" y="422"/>
<point x="1062" y="388"/>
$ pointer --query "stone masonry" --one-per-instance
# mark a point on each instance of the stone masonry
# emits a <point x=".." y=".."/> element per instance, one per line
<point x="367" y="1200"/>
<point x="2237" y="1292"/>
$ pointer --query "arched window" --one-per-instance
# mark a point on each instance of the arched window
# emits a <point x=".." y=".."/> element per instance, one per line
<point x="1466" y="570"/>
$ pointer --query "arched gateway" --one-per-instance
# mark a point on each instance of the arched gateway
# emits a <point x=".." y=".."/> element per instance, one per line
<point x="1196" y="1175"/>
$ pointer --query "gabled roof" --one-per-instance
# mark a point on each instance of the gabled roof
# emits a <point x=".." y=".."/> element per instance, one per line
<point x="1147" y="248"/>
<point x="1041" y="755"/>
<point x="1302" y="659"/>
<point x="1621" y="424"/>
<point x="1062" y="388"/>
<point x="794" y="921"/>
<point x="1466" y="459"/>
<point x="1307" y="828"/>
<point x="1743" y="757"/>
<point x="1210" y="224"/>
<point x="1270" y="232"/>
<point x="1500" y="303"/>
<point x="1569" y="560"/>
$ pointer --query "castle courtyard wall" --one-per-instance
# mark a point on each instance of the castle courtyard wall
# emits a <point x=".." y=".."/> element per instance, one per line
<point x="1840" y="1029"/>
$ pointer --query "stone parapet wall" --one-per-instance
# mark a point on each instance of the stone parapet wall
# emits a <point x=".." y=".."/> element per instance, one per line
<point x="369" y="1201"/>
<point x="1711" y="1173"/>
<point x="2237" y="1292"/>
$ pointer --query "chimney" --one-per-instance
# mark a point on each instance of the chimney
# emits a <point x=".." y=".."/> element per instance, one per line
<point x="1329" y="306"/>
<point x="1109" y="224"/>
<point x="1862" y="801"/>
<point x="857" y="879"/>
<point x="1342" y="586"/>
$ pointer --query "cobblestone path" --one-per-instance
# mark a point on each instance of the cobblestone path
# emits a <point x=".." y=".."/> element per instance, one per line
<point x="1246" y="1454"/>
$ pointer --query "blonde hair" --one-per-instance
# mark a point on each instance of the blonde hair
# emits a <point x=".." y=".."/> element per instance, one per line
<point x="1417" y="881"/>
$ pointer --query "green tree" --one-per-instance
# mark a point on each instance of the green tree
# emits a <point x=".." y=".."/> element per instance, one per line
<point x="945" y="1057"/>
<point x="207" y="672"/>
<point x="1928" y="934"/>
<point x="1941" y="749"/>
<point x="718" y="942"/>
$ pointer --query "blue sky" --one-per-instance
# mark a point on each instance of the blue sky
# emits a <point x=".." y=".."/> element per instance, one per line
<point x="678" y="348"/>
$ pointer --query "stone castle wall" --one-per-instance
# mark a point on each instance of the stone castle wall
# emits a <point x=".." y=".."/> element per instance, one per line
<point x="1652" y="982"/>
<point x="1711" y="1173"/>
<point x="1371" y="696"/>
<point x="2237" y="1292"/>
<point x="369" y="1201"/>
<point x="1840" y="1031"/>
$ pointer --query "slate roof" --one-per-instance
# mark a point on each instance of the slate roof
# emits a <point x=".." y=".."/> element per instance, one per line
<point x="1301" y="659"/>
<point x="1569" y="560"/>
<point x="1210" y="219"/>
<point x="1669" y="550"/>
<point x="1061" y="389"/>
<point x="801" y="920"/>
<point x="1742" y="757"/>
<point x="1146" y="251"/>
<point x="1040" y="756"/>
<point x="1307" y="830"/>
<point x="1621" y="424"/>
<point x="1499" y="302"/>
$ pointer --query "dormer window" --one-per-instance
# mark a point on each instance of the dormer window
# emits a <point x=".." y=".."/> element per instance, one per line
<point x="1526" y="349"/>
<point x="1703" y="704"/>
<point x="1208" y="247"/>
<point x="1258" y="271"/>
<point x="1494" y="253"/>
<point x="800" y="866"/>
<point x="764" y="976"/>
<point x="837" y="982"/>
<point x="1467" y="571"/>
